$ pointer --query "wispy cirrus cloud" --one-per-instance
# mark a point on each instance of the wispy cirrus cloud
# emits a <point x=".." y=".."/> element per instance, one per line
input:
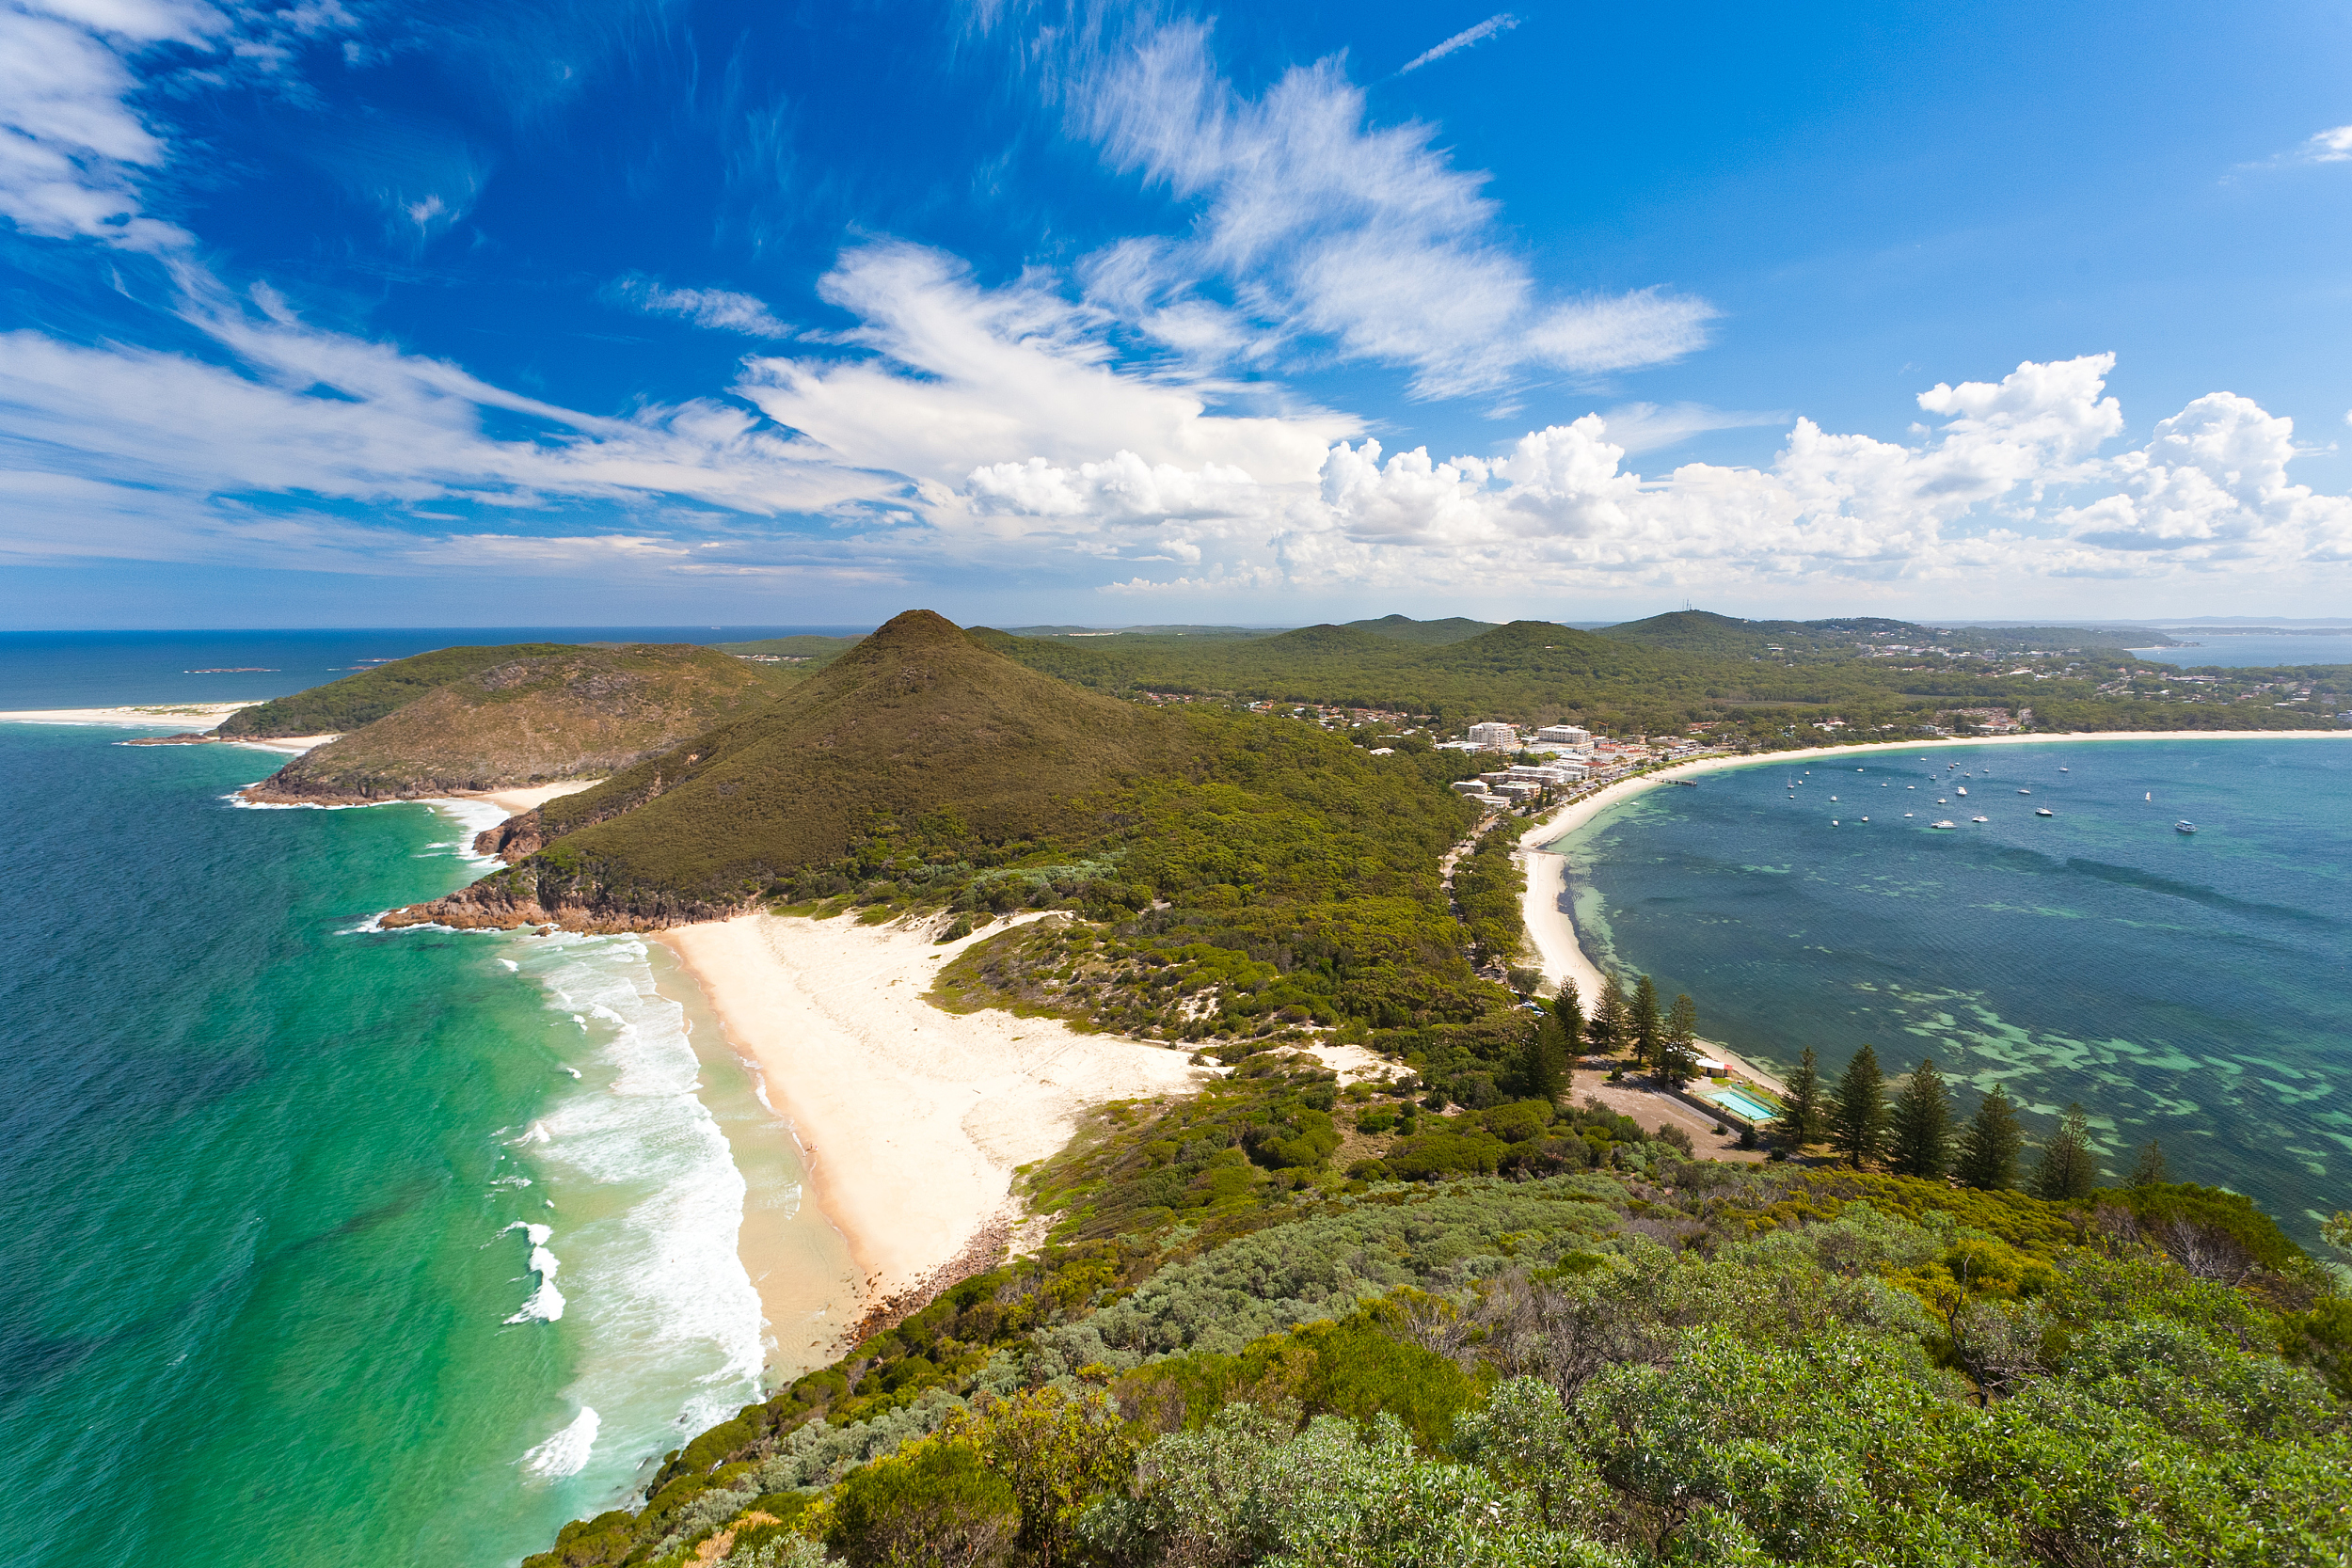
<point x="2331" y="146"/>
<point x="720" y="310"/>
<point x="1325" y="232"/>
<point x="1502" y="22"/>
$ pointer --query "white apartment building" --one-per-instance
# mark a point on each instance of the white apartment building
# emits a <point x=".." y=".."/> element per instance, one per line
<point x="1565" y="734"/>
<point x="1495" y="737"/>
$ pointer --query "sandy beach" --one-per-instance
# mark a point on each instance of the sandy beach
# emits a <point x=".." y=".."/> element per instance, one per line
<point x="153" y="716"/>
<point x="912" y="1122"/>
<point x="514" y="802"/>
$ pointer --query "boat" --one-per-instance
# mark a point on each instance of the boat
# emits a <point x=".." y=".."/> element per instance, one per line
<point x="1980" y="819"/>
<point x="2184" y="827"/>
<point x="1941" y="801"/>
<point x="2066" y="771"/>
<point x="2044" y="811"/>
<point x="2024" y="792"/>
<point x="1939" y="824"/>
<point x="1959" y="789"/>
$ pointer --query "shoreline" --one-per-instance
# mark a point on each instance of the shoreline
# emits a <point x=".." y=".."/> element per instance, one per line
<point x="1552" y="929"/>
<point x="912" y="1122"/>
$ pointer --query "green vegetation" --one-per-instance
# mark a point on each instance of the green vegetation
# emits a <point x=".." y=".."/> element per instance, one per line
<point x="1234" y="1351"/>
<point x="341" y="706"/>
<point x="564" y="714"/>
<point x="795" y="656"/>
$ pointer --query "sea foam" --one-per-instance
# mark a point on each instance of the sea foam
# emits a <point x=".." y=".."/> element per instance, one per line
<point x="566" y="1453"/>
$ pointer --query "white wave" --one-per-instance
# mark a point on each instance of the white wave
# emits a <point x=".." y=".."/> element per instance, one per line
<point x="537" y="1134"/>
<point x="510" y="963"/>
<point x="667" y="1316"/>
<point x="566" y="1453"/>
<point x="547" y="1302"/>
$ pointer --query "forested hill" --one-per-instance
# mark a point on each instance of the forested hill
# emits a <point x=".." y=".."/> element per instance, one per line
<point x="1757" y="684"/>
<point x="341" y="706"/>
<point x="916" y="724"/>
<point x="553" y="714"/>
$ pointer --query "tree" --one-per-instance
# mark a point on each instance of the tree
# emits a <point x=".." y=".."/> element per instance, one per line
<point x="1649" y="1029"/>
<point x="2068" y="1168"/>
<point x="2150" y="1171"/>
<point x="1568" y="1008"/>
<point x="1678" y="1052"/>
<point x="1611" y="1029"/>
<point x="1857" y="1113"/>
<point x="1800" y="1117"/>
<point x="1922" y="1125"/>
<point x="1990" y="1148"/>
<point x="1545" y="1062"/>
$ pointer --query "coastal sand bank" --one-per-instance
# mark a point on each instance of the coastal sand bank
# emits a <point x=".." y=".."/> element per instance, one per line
<point x="1563" y="958"/>
<point x="912" y="1121"/>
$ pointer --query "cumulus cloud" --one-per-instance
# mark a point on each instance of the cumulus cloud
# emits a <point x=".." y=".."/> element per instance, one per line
<point x="717" y="308"/>
<point x="2328" y="147"/>
<point x="1502" y="22"/>
<point x="1367" y="239"/>
<point x="2011" y="481"/>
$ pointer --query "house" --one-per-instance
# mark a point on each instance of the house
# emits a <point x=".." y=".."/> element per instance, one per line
<point x="1565" y="734"/>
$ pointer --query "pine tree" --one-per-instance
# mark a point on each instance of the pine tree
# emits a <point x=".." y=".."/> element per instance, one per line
<point x="1610" y="1028"/>
<point x="2068" y="1168"/>
<point x="1569" y="1010"/>
<point x="1800" y="1118"/>
<point x="1678" y="1052"/>
<point x="2151" y="1170"/>
<point x="1990" y="1148"/>
<point x="1649" y="1030"/>
<point x="1857" y="1113"/>
<point x="1922" y="1126"/>
<point x="1544" y="1062"/>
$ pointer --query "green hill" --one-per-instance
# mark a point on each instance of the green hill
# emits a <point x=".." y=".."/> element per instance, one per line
<point x="1404" y="629"/>
<point x="918" y="720"/>
<point x="569" y="713"/>
<point x="341" y="706"/>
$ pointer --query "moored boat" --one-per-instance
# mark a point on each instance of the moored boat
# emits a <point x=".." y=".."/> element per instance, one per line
<point x="2184" y="827"/>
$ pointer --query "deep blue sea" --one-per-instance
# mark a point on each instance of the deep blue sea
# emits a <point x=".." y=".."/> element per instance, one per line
<point x="2259" y="650"/>
<point x="2196" y="989"/>
<point x="326" y="1245"/>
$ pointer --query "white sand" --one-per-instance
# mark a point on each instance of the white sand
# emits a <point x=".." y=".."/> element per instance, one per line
<point x="912" y="1121"/>
<point x="514" y="802"/>
<point x="159" y="716"/>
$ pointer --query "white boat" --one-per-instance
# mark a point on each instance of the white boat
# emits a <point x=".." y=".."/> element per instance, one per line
<point x="1940" y="824"/>
<point x="2024" y="792"/>
<point x="1980" y="819"/>
<point x="2184" y="827"/>
<point x="1941" y="801"/>
<point x="2044" y="811"/>
<point x="2066" y="771"/>
<point x="1959" y="789"/>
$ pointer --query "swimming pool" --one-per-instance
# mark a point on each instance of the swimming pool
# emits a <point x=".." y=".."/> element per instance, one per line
<point x="1740" y="1101"/>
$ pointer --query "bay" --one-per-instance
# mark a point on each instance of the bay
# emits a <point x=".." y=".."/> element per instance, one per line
<point x="2187" y="987"/>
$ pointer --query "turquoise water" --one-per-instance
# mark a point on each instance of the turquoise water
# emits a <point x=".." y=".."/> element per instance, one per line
<point x="2191" y="989"/>
<point x="268" y="1293"/>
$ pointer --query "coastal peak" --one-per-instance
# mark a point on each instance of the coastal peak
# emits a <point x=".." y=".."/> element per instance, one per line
<point x="917" y="718"/>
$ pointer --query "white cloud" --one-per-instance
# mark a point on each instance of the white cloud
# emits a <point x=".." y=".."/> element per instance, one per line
<point x="1501" y="23"/>
<point x="961" y="377"/>
<point x="2011" y="486"/>
<point x="717" y="308"/>
<point x="1368" y="239"/>
<point x="74" y="151"/>
<point x="2328" y="147"/>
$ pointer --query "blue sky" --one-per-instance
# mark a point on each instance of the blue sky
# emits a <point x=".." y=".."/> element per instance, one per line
<point x="341" y="314"/>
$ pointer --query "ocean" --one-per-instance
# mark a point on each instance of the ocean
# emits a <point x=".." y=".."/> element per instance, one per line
<point x="320" y="1244"/>
<point x="2259" y="650"/>
<point x="2190" y="989"/>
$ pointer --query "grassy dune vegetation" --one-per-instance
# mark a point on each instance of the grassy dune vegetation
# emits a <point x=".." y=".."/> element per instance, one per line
<point x="341" y="706"/>
<point x="566" y="713"/>
<point x="1607" y="1353"/>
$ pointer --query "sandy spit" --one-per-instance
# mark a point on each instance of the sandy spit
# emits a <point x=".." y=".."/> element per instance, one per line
<point x="1563" y="958"/>
<point x="514" y="802"/>
<point x="912" y="1121"/>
